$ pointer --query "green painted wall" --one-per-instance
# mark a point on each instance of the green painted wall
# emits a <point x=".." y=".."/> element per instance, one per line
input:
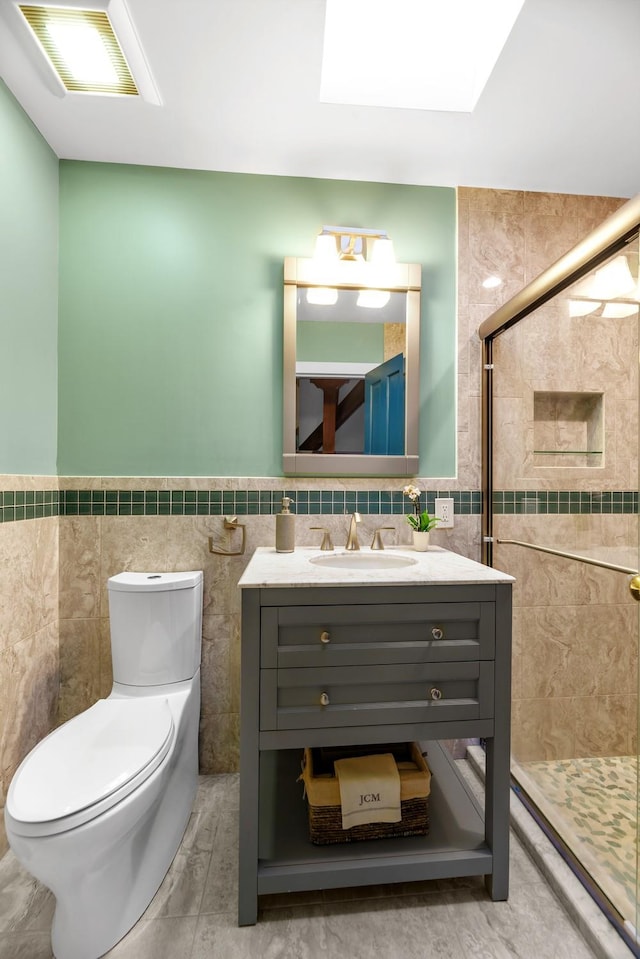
<point x="29" y="294"/>
<point x="170" y="351"/>
<point x="344" y="342"/>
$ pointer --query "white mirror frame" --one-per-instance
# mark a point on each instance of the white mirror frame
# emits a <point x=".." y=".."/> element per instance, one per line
<point x="344" y="274"/>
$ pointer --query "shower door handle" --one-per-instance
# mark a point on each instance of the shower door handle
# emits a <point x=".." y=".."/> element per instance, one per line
<point x="634" y="587"/>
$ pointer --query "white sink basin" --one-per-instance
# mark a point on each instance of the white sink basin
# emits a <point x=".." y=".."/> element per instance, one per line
<point x="358" y="560"/>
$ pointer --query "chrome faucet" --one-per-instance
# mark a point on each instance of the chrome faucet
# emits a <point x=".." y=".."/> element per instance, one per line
<point x="352" y="538"/>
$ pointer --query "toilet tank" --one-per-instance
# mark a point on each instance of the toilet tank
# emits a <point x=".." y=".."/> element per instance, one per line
<point x="156" y="627"/>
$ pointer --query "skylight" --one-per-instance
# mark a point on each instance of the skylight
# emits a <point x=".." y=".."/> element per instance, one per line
<point x="417" y="54"/>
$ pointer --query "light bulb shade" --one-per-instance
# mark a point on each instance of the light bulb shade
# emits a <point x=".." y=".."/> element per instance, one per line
<point x="583" y="307"/>
<point x="616" y="311"/>
<point x="382" y="252"/>
<point x="373" y="299"/>
<point x="322" y="296"/>
<point x="326" y="250"/>
<point x="612" y="280"/>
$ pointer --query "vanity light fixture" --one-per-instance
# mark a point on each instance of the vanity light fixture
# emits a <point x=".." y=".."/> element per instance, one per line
<point x="613" y="310"/>
<point x="91" y="50"/>
<point x="613" y="281"/>
<point x="353" y="243"/>
<point x="343" y="244"/>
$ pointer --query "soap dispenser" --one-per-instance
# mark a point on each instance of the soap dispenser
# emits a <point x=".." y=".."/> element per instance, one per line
<point x="285" y="528"/>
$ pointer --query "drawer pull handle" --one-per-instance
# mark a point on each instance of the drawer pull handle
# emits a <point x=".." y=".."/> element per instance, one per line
<point x="324" y="699"/>
<point x="435" y="693"/>
<point x="325" y="637"/>
<point x="437" y="632"/>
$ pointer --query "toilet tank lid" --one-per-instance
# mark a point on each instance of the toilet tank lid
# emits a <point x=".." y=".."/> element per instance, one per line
<point x="143" y="582"/>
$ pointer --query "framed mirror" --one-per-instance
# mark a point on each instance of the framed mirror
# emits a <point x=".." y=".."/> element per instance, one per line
<point x="350" y="369"/>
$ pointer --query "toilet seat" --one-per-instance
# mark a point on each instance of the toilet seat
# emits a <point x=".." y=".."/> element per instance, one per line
<point x="89" y="764"/>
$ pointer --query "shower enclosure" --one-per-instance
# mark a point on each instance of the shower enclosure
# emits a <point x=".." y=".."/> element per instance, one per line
<point x="560" y="477"/>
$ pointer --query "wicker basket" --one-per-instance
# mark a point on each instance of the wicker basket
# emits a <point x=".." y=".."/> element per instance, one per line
<point x="323" y="794"/>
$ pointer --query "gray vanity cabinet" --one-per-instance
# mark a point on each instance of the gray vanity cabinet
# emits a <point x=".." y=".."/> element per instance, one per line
<point x="341" y="665"/>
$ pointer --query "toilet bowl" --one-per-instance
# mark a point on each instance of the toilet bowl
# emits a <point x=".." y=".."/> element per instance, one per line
<point x="98" y="808"/>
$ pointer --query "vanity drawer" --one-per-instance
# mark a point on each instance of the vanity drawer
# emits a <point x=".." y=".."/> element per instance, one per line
<point x="375" y="695"/>
<point x="299" y="636"/>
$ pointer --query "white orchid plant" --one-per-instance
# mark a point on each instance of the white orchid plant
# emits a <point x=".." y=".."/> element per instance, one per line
<point x="420" y="520"/>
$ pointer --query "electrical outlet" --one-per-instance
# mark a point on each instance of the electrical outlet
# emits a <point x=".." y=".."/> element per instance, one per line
<point x="444" y="510"/>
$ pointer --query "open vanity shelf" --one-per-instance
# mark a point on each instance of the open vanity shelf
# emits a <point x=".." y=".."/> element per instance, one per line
<point x="455" y="846"/>
<point x="353" y="659"/>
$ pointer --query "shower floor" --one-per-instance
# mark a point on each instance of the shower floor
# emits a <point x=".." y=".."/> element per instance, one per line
<point x="592" y="805"/>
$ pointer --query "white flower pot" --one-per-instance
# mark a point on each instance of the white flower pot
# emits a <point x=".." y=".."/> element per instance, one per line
<point x="420" y="541"/>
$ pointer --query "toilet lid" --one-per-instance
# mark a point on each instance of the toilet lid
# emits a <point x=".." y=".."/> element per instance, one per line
<point x="90" y="758"/>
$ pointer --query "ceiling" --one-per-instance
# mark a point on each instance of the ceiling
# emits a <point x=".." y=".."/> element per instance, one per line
<point x="239" y="83"/>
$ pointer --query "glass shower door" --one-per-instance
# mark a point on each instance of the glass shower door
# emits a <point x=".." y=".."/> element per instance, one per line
<point x="565" y="524"/>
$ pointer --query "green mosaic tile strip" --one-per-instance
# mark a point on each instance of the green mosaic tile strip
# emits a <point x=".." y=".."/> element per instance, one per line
<point x="248" y="502"/>
<point x="332" y="502"/>
<point x="28" y="504"/>
<point x="34" y="504"/>
<point x="565" y="501"/>
<point x="252" y="502"/>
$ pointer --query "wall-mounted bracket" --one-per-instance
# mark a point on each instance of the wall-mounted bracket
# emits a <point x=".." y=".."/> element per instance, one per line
<point x="230" y="523"/>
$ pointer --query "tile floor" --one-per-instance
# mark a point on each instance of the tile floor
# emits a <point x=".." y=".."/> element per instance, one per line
<point x="193" y="915"/>
<point x="593" y="804"/>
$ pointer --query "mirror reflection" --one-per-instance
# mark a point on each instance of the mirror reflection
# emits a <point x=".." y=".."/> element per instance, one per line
<point x="350" y="371"/>
<point x="351" y="356"/>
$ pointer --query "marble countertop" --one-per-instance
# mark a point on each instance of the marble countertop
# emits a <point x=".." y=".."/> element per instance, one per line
<point x="270" y="569"/>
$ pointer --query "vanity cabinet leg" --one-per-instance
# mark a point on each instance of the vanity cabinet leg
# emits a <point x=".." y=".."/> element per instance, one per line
<point x="248" y="841"/>
<point x="247" y="907"/>
<point x="249" y="767"/>
<point x="497" y="816"/>
<point x="498" y="773"/>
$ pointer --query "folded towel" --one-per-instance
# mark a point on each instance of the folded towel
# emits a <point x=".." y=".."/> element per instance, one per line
<point x="369" y="789"/>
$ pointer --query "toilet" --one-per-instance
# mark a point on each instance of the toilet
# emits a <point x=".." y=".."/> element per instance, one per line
<point x="98" y="808"/>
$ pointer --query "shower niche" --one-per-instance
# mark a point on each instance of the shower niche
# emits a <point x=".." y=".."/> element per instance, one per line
<point x="568" y="429"/>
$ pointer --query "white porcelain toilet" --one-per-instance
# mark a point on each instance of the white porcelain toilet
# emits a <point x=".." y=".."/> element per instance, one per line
<point x="97" y="810"/>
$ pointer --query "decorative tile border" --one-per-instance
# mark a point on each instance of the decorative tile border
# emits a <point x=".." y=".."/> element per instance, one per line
<point x="28" y="504"/>
<point x="248" y="502"/>
<point x="90" y="502"/>
<point x="34" y="504"/>
<point x="565" y="501"/>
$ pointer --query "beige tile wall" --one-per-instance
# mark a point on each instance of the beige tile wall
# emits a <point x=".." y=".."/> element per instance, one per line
<point x="28" y="633"/>
<point x="575" y="640"/>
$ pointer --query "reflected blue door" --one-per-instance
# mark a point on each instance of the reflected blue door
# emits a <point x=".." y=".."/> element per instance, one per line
<point x="384" y="402"/>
